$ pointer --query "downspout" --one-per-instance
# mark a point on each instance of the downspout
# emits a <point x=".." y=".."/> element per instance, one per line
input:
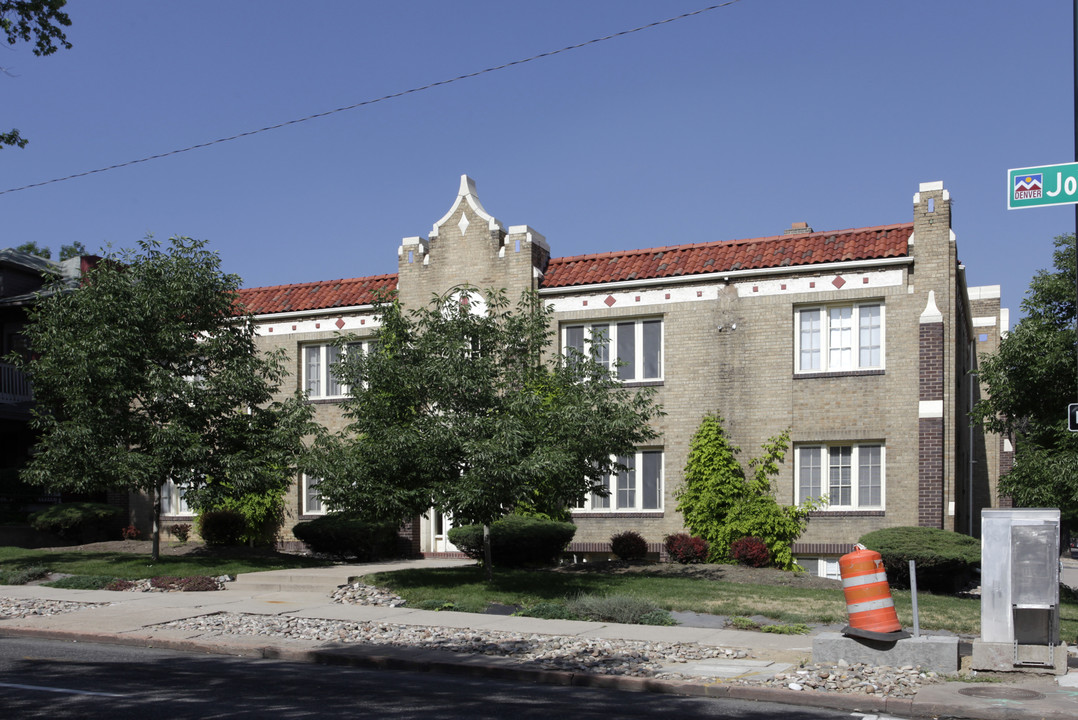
<point x="969" y="413"/>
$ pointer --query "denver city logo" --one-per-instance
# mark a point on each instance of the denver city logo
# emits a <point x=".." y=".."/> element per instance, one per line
<point x="1028" y="187"/>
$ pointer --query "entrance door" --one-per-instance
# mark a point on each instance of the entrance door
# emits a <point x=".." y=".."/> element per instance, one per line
<point x="440" y="525"/>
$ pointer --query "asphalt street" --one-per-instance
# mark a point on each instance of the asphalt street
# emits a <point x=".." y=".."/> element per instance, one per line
<point x="54" y="679"/>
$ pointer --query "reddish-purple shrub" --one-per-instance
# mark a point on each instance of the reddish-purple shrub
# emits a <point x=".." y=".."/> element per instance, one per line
<point x="629" y="545"/>
<point x="198" y="583"/>
<point x="686" y="549"/>
<point x="131" y="533"/>
<point x="165" y="582"/>
<point x="120" y="585"/>
<point x="750" y="551"/>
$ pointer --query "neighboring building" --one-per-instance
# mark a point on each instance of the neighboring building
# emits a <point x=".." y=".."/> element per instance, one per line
<point x="23" y="279"/>
<point x="863" y="342"/>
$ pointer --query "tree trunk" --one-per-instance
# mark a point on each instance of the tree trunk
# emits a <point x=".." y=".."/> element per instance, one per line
<point x="488" y="561"/>
<point x="155" y="554"/>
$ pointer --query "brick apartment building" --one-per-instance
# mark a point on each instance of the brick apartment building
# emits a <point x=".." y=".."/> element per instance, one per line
<point x="864" y="342"/>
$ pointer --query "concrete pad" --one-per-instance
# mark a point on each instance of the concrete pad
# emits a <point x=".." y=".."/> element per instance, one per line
<point x="929" y="652"/>
<point x="999" y="657"/>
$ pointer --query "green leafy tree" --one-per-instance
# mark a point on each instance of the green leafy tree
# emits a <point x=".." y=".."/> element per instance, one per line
<point x="145" y="373"/>
<point x="1030" y="380"/>
<point x="41" y="22"/>
<point x="461" y="406"/>
<point x="75" y="249"/>
<point x="721" y="505"/>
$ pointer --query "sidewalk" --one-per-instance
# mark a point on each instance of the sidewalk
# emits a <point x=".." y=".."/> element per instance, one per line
<point x="295" y="595"/>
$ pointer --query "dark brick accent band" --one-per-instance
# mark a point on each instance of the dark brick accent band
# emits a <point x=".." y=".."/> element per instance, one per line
<point x="930" y="430"/>
<point x="931" y="362"/>
<point x="802" y="548"/>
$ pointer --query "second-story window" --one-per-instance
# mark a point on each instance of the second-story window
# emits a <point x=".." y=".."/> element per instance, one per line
<point x="319" y="361"/>
<point x="632" y="348"/>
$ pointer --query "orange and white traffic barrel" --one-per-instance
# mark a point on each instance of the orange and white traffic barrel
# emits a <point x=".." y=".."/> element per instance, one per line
<point x="868" y="596"/>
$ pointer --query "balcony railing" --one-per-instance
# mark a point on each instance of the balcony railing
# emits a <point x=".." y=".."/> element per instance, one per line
<point x="14" y="385"/>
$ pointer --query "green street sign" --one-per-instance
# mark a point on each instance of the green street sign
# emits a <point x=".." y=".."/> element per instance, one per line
<point x="1042" y="186"/>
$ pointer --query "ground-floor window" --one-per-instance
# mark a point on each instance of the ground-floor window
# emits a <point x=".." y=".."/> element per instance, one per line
<point x="173" y="501"/>
<point x="638" y="487"/>
<point x="825" y="567"/>
<point x="312" y="498"/>
<point x="849" y="475"/>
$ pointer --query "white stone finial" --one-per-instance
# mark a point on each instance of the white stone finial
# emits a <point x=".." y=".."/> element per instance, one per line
<point x="932" y="313"/>
<point x="467" y="194"/>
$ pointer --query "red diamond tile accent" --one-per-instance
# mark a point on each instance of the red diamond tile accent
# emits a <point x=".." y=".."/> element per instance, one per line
<point x="585" y="303"/>
<point x="339" y="323"/>
<point x="864" y="281"/>
<point x="756" y="288"/>
<point x="317" y="325"/>
<point x="668" y="296"/>
<point x="610" y="300"/>
<point x="293" y="328"/>
<point x="638" y="298"/>
<point x="784" y="286"/>
<point x="838" y="282"/>
<point x="812" y="284"/>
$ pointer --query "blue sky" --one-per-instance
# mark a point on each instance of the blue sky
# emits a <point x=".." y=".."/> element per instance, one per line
<point x="731" y="124"/>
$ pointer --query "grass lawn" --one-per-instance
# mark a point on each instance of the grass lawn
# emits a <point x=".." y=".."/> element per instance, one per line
<point x="467" y="590"/>
<point x="135" y="566"/>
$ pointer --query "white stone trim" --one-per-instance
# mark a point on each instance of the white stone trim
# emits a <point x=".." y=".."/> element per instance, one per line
<point x="886" y="278"/>
<point x="983" y="292"/>
<point x="326" y="323"/>
<point x="930" y="409"/>
<point x="596" y="302"/>
<point x="333" y="313"/>
<point x="822" y="268"/>
<point x="1007" y="446"/>
<point x="1004" y="321"/>
<point x="530" y="235"/>
<point x="986" y="321"/>
<point x="467" y="194"/>
<point x="932" y="313"/>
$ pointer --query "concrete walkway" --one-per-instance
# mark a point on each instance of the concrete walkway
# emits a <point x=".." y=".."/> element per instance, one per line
<point x="135" y="619"/>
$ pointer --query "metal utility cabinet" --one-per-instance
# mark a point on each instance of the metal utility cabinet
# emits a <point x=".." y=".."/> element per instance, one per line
<point x="1020" y="592"/>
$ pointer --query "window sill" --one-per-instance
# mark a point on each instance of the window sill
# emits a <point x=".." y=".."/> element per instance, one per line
<point x="846" y="513"/>
<point x="326" y="401"/>
<point x="839" y="373"/>
<point x="641" y="383"/>
<point x="617" y="514"/>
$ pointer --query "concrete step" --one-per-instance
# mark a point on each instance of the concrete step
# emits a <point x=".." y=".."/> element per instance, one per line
<point x="288" y="581"/>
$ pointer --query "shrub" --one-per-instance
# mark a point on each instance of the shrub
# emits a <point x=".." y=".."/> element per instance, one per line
<point x="750" y="551"/>
<point x="618" y="608"/>
<point x="547" y="611"/>
<point x="516" y="541"/>
<point x="120" y="585"/>
<point x="82" y="582"/>
<point x="945" y="560"/>
<point x="164" y="582"/>
<point x="198" y="583"/>
<point x="629" y="545"/>
<point x="685" y="548"/>
<point x="79" y="522"/>
<point x="22" y="575"/>
<point x="131" y="533"/>
<point x="342" y="536"/>
<point x="181" y="531"/>
<point x="221" y="527"/>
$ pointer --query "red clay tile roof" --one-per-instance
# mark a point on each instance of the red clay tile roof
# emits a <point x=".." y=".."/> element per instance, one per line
<point x="315" y="295"/>
<point x="885" y="241"/>
<point x="678" y="260"/>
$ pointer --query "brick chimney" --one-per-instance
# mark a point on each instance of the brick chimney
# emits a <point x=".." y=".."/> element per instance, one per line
<point x="798" y="228"/>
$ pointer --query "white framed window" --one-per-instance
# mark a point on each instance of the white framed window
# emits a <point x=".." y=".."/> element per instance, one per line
<point x="631" y="348"/>
<point x="835" y="338"/>
<point x="638" y="487"/>
<point x="850" y="475"/>
<point x="312" y="498"/>
<point x="173" y="501"/>
<point x="825" y="567"/>
<point x="318" y="362"/>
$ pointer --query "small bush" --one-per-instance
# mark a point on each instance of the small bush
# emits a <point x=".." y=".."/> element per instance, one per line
<point x="221" y="527"/>
<point x="120" y="585"/>
<point x="180" y="531"/>
<point x="945" y="560"/>
<point x="23" y="575"/>
<point x="743" y="623"/>
<point x="686" y="549"/>
<point x="629" y="545"/>
<point x="750" y="551"/>
<point x="616" y="608"/>
<point x="83" y="582"/>
<point x="342" y="536"/>
<point x="165" y="582"/>
<point x="131" y="533"/>
<point x="516" y="540"/>
<point x="795" y="629"/>
<point x="547" y="611"/>
<point x="198" y="583"/>
<point x="79" y="522"/>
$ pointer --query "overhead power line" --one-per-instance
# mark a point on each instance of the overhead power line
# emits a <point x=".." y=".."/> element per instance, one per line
<point x="365" y="103"/>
